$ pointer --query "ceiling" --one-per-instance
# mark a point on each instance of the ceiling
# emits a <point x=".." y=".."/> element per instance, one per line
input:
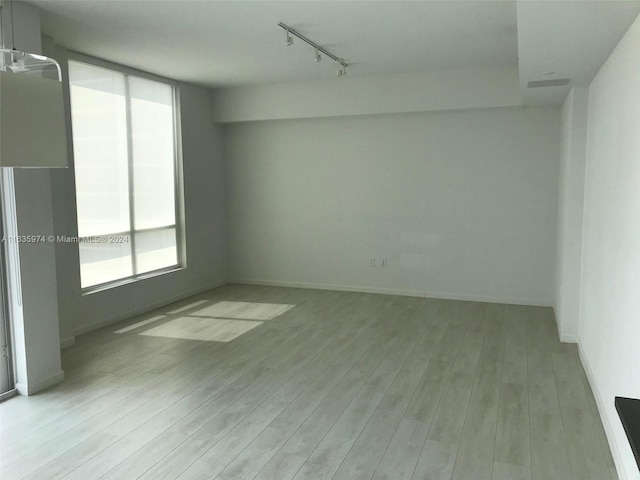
<point x="567" y="39"/>
<point x="232" y="43"/>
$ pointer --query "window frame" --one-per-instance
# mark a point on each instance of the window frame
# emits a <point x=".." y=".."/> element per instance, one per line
<point x="178" y="169"/>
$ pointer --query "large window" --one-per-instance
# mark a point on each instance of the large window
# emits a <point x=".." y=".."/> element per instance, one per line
<point x="124" y="141"/>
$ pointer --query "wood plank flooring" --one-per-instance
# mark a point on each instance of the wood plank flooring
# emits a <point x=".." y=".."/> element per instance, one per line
<point x="326" y="385"/>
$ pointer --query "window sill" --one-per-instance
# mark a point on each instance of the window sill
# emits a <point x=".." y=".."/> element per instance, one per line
<point x="130" y="280"/>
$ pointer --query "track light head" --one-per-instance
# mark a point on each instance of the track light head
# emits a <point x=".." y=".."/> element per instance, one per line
<point x="342" y="68"/>
<point x="318" y="57"/>
<point x="289" y="40"/>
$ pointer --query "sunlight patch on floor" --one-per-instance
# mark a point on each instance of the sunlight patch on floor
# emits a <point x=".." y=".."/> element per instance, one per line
<point x="221" y="322"/>
<point x="187" y="307"/>
<point x="202" y="328"/>
<point x="140" y="324"/>
<point x="244" y="310"/>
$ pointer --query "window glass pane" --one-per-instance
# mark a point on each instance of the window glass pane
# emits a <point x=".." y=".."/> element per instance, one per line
<point x="152" y="123"/>
<point x="156" y="249"/>
<point x="98" y="111"/>
<point x="104" y="262"/>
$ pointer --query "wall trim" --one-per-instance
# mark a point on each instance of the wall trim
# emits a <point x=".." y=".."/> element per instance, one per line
<point x="564" y="337"/>
<point x="611" y="438"/>
<point x="393" y="291"/>
<point x="330" y="286"/>
<point x="147" y="308"/>
<point x="30" y="388"/>
<point x="489" y="299"/>
<point x="568" y="338"/>
<point x="11" y="393"/>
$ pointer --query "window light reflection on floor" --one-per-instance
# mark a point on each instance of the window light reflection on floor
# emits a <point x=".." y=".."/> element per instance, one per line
<point x="187" y="307"/>
<point x="202" y="328"/>
<point x="140" y="324"/>
<point x="221" y="322"/>
<point x="244" y="310"/>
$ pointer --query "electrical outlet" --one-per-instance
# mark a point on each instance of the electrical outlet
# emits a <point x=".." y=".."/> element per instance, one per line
<point x="383" y="263"/>
<point x="372" y="262"/>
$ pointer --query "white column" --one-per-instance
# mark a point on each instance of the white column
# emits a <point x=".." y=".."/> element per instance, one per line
<point x="33" y="294"/>
<point x="571" y="213"/>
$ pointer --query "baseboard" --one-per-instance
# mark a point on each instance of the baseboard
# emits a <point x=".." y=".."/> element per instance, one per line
<point x="568" y="338"/>
<point x="488" y="299"/>
<point x="147" y="308"/>
<point x="328" y="286"/>
<point x="564" y="337"/>
<point x="6" y="395"/>
<point x="67" y="342"/>
<point x="392" y="291"/>
<point x="613" y="444"/>
<point x="31" y="388"/>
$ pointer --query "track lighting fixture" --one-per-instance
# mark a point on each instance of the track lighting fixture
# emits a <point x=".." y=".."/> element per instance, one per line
<point x="342" y="64"/>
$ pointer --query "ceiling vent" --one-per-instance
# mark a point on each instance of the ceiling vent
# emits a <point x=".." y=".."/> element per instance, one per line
<point x="558" y="82"/>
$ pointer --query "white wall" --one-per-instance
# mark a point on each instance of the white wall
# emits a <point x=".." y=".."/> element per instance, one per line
<point x="401" y="93"/>
<point x="461" y="204"/>
<point x="204" y="225"/>
<point x="570" y="213"/>
<point x="610" y="323"/>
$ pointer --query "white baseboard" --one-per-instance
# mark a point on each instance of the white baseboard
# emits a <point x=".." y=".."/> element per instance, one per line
<point x="147" y="308"/>
<point x="488" y="299"/>
<point x="392" y="291"/>
<point x="33" y="387"/>
<point x="329" y="286"/>
<point x="67" y="342"/>
<point x="11" y="393"/>
<point x="563" y="336"/>
<point x="568" y="338"/>
<point x="606" y="422"/>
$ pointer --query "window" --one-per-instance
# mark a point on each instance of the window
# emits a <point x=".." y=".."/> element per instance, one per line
<point x="124" y="141"/>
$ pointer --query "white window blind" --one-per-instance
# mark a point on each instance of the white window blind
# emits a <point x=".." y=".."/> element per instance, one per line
<point x="124" y="139"/>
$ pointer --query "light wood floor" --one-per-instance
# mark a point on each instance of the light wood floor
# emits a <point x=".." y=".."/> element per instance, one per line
<point x="341" y="385"/>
